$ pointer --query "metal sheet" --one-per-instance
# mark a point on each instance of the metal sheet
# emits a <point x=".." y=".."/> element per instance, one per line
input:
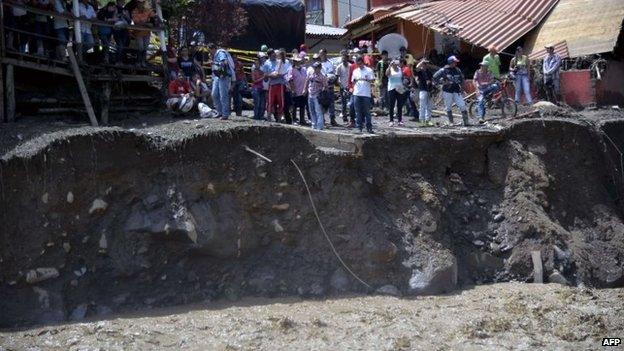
<point x="481" y="22"/>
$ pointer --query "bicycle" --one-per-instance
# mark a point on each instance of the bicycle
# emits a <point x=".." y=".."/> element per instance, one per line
<point x="497" y="100"/>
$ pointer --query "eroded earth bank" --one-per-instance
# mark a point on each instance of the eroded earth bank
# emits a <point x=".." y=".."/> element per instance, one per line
<point x="96" y="222"/>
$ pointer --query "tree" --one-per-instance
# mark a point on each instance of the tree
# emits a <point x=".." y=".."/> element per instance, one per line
<point x="217" y="20"/>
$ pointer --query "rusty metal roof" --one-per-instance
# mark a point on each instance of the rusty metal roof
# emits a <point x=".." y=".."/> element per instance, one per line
<point x="480" y="22"/>
<point x="588" y="26"/>
<point x="561" y="48"/>
<point x="375" y="13"/>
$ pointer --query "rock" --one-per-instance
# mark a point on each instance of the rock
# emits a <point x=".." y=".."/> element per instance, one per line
<point x="557" y="278"/>
<point x="495" y="247"/>
<point x="499" y="217"/>
<point x="44" y="198"/>
<point x="98" y="206"/>
<point x="67" y="247"/>
<point x="339" y="280"/>
<point x="281" y="207"/>
<point x="478" y="243"/>
<point x="103" y="242"/>
<point x="544" y="104"/>
<point x="369" y="180"/>
<point x="79" y="313"/>
<point x="389" y="290"/>
<point x="481" y="201"/>
<point x="435" y="278"/>
<point x="40" y="274"/>
<point x="210" y="188"/>
<point x="277" y="226"/>
<point x="70" y="197"/>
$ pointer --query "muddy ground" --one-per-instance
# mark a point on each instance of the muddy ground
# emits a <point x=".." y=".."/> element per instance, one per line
<point x="154" y="213"/>
<point x="504" y="316"/>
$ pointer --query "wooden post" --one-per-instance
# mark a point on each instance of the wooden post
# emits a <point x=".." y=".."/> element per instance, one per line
<point x="81" y="86"/>
<point x="10" y="94"/>
<point x="538" y="271"/>
<point x="106" y="92"/>
<point x="77" y="29"/>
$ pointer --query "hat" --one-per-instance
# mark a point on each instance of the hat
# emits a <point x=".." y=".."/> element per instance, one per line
<point x="452" y="59"/>
<point x="264" y="48"/>
<point x="297" y="59"/>
<point x="262" y="54"/>
<point x="548" y="46"/>
<point x="316" y="64"/>
<point x="315" y="56"/>
<point x="356" y="51"/>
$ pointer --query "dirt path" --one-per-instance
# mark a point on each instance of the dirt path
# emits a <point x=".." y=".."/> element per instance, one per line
<point x="495" y="317"/>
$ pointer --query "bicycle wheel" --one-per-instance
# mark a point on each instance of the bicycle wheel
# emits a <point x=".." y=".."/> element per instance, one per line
<point x="509" y="107"/>
<point x="472" y="109"/>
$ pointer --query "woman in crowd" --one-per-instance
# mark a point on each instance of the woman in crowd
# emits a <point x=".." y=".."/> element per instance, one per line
<point x="142" y="15"/>
<point x="396" y="92"/>
<point x="519" y="65"/>
<point x="257" y="86"/>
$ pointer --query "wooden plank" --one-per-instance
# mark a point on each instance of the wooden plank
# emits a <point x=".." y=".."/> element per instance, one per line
<point x="106" y="92"/>
<point x="10" y="93"/>
<point x="538" y="271"/>
<point x="81" y="85"/>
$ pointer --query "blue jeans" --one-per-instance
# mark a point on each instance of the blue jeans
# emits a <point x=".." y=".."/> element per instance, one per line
<point x="425" y="105"/>
<point x="522" y="84"/>
<point x="482" y="95"/>
<point x="316" y="113"/>
<point x="259" y="98"/>
<point x="87" y="41"/>
<point x="362" y="105"/>
<point x="221" y="95"/>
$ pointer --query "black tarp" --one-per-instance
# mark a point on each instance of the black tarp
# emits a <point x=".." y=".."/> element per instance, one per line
<point x="276" y="23"/>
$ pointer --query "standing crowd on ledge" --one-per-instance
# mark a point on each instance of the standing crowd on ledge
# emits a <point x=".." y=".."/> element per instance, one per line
<point x="292" y="87"/>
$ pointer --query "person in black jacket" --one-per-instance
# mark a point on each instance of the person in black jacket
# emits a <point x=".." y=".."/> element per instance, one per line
<point x="452" y="80"/>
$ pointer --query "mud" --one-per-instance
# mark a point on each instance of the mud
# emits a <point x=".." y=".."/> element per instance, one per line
<point x="120" y="220"/>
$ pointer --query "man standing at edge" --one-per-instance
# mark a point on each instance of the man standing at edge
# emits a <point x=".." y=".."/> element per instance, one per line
<point x="363" y="77"/>
<point x="223" y="75"/>
<point x="452" y="80"/>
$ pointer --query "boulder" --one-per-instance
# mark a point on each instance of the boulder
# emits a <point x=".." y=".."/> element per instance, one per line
<point x="40" y="274"/>
<point x="434" y="278"/>
<point x="98" y="206"/>
<point x="557" y="278"/>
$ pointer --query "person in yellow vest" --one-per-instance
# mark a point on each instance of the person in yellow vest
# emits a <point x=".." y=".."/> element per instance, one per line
<point x="493" y="61"/>
<point x="519" y="66"/>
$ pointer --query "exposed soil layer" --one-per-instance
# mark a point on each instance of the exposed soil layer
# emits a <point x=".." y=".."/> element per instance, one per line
<point x="96" y="221"/>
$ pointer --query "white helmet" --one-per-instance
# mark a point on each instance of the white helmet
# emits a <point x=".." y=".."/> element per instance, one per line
<point x="187" y="103"/>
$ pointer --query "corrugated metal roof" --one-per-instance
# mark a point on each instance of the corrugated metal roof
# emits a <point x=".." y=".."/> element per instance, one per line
<point x="561" y="48"/>
<point x="588" y="26"/>
<point x="316" y="31"/>
<point x="480" y="22"/>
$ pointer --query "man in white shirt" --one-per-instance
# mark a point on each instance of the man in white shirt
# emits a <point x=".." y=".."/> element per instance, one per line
<point x="363" y="77"/>
<point x="86" y="11"/>
<point x="329" y="71"/>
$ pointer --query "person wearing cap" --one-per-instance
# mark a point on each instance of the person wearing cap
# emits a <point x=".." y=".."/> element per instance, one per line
<point x="493" y="60"/>
<point x="329" y="71"/>
<point x="223" y="76"/>
<point x="519" y="66"/>
<point x="485" y="85"/>
<point x="396" y="92"/>
<point x="273" y="70"/>
<point x="551" y="66"/>
<point x="382" y="78"/>
<point x="425" y="85"/>
<point x="342" y="71"/>
<point x="452" y="80"/>
<point x="296" y="78"/>
<point x="264" y="48"/>
<point x="314" y="84"/>
<point x="363" y="78"/>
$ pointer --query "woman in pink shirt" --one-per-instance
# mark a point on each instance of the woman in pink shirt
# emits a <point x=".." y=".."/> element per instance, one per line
<point x="296" y="78"/>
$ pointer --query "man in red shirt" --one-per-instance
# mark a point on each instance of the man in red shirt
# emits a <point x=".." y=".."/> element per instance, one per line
<point x="177" y="89"/>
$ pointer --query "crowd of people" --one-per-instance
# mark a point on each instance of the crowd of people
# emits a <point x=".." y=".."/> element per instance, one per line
<point x="46" y="35"/>
<point x="299" y="88"/>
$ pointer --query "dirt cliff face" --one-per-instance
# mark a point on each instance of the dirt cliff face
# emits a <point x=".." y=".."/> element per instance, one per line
<point x="114" y="220"/>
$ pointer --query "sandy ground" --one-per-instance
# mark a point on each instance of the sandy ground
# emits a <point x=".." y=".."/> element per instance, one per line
<point x="495" y="317"/>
